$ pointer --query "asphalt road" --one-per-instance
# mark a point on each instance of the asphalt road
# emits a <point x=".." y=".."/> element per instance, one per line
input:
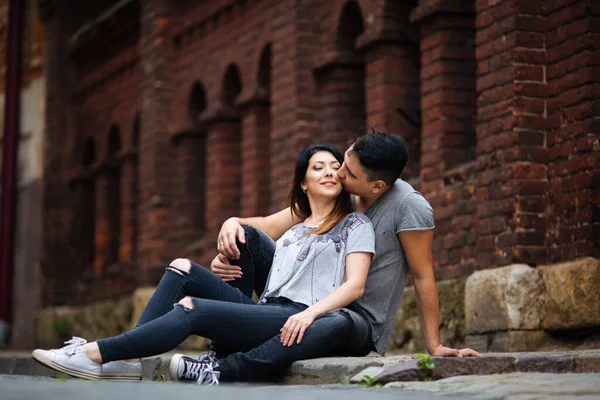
<point x="27" y="388"/>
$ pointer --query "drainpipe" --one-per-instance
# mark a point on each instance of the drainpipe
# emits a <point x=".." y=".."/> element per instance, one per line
<point x="10" y="151"/>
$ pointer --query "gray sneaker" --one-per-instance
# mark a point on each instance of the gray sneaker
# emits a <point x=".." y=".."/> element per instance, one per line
<point x="187" y="369"/>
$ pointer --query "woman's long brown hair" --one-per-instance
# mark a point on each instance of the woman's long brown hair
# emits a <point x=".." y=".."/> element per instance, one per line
<point x="298" y="200"/>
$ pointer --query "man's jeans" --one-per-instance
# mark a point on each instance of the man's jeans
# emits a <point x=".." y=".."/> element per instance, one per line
<point x="223" y="313"/>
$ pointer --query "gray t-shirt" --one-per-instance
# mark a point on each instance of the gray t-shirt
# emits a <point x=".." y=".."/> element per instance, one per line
<point x="400" y="209"/>
<point x="307" y="268"/>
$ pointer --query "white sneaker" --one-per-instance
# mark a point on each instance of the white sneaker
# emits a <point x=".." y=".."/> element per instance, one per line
<point x="70" y="359"/>
<point x="73" y="360"/>
<point x="122" y="371"/>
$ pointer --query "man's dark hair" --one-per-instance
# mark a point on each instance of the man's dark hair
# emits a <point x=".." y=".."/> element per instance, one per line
<point x="383" y="155"/>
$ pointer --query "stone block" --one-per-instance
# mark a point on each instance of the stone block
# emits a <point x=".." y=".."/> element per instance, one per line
<point x="508" y="341"/>
<point x="486" y="365"/>
<point x="51" y="328"/>
<point x="139" y="299"/>
<point x="587" y="365"/>
<point x="544" y="363"/>
<point x="330" y="370"/>
<point x="572" y="292"/>
<point x="194" y="342"/>
<point x="54" y="325"/>
<point x="403" y="372"/>
<point x="502" y="299"/>
<point x="408" y="333"/>
<point x="372" y="372"/>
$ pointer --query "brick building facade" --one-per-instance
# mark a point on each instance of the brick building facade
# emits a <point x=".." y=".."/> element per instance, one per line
<point x="164" y="118"/>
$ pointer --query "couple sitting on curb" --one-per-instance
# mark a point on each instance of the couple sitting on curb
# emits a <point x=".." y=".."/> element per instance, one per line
<point x="331" y="269"/>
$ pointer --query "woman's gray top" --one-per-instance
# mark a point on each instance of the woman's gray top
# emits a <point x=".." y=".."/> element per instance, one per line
<point x="307" y="268"/>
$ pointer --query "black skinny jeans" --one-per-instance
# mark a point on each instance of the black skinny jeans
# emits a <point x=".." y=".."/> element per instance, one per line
<point x="224" y="314"/>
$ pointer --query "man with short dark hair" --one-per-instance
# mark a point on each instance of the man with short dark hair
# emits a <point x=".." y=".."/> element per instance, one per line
<point x="403" y="223"/>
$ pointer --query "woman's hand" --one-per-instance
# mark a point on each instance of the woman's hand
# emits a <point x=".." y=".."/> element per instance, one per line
<point x="443" y="351"/>
<point x="295" y="327"/>
<point x="230" y="231"/>
<point x="221" y="267"/>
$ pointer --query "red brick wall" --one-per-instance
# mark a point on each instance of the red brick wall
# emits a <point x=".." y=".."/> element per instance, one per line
<point x="496" y="99"/>
<point x="572" y="43"/>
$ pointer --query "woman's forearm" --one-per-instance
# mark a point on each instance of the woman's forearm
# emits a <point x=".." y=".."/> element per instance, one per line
<point x="341" y="297"/>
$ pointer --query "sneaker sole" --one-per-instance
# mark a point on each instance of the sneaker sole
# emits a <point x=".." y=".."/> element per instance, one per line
<point x="78" y="373"/>
<point x="173" y="367"/>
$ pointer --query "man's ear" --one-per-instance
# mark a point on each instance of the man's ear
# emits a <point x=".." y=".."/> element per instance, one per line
<point x="378" y="186"/>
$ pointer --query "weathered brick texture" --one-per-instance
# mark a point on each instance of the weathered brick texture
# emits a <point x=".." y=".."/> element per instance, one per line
<point x="497" y="101"/>
<point x="573" y="137"/>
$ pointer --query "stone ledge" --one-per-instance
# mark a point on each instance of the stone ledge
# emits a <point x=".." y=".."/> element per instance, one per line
<point x="517" y="385"/>
<point x="490" y="364"/>
<point x="390" y="369"/>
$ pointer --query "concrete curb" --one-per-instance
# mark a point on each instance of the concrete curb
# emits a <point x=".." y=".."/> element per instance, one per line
<point x="399" y="368"/>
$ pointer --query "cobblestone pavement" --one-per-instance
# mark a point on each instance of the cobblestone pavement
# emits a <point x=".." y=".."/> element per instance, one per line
<point x="27" y="388"/>
<point x="514" y="386"/>
<point x="520" y="385"/>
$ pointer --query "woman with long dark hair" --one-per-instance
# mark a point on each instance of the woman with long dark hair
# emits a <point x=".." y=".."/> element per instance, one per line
<point x="319" y="265"/>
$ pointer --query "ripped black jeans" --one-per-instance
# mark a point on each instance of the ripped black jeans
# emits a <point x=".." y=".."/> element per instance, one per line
<point x="222" y="313"/>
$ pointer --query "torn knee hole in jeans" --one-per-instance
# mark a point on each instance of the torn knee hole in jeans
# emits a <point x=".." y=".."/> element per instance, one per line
<point x="186" y="303"/>
<point x="181" y="266"/>
<point x="175" y="270"/>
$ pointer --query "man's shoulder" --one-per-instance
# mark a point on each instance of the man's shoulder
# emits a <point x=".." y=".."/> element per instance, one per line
<point x="403" y="190"/>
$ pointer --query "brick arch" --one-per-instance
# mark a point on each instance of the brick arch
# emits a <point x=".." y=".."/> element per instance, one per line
<point x="113" y="144"/>
<point x="197" y="103"/>
<point x="332" y="19"/>
<point x="397" y="12"/>
<point x="132" y="200"/>
<point x="135" y="131"/>
<point x="264" y="70"/>
<point x="264" y="39"/>
<point x="88" y="154"/>
<point x="256" y="133"/>
<point x="231" y="84"/>
<point x="340" y="77"/>
<point x="350" y="25"/>
<point x="396" y="80"/>
<point x="111" y="182"/>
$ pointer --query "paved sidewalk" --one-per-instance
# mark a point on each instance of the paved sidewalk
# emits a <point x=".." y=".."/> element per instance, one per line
<point x="514" y="386"/>
<point x="387" y="369"/>
<point x="520" y="385"/>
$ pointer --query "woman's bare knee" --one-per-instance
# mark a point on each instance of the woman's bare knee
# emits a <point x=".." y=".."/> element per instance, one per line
<point x="180" y="265"/>
<point x="187" y="302"/>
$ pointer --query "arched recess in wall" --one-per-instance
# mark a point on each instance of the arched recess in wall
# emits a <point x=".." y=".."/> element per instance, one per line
<point x="406" y="77"/>
<point x="341" y="81"/>
<point x="194" y="147"/>
<point x="230" y="136"/>
<point x="232" y="85"/>
<point x="85" y="214"/>
<point x="262" y="158"/>
<point x="135" y="186"/>
<point x="113" y="195"/>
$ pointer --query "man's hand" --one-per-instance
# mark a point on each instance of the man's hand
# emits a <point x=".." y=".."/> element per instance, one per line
<point x="295" y="326"/>
<point x="230" y="230"/>
<point x="220" y="266"/>
<point x="443" y="351"/>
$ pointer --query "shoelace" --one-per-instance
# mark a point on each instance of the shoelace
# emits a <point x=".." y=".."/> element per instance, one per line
<point x="202" y="371"/>
<point x="73" y="344"/>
